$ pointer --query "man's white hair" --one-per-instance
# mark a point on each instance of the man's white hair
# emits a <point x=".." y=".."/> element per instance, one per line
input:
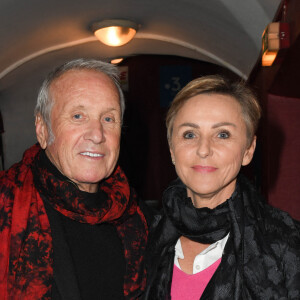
<point x="45" y="103"/>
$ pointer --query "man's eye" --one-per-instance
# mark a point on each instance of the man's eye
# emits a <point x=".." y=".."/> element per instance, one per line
<point x="188" y="135"/>
<point x="224" y="135"/>
<point x="77" y="116"/>
<point x="108" y="119"/>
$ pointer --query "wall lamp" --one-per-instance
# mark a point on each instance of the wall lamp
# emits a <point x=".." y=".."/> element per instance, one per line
<point x="114" y="32"/>
<point x="275" y="38"/>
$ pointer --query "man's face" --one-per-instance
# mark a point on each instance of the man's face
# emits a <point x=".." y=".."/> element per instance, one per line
<point x="86" y="123"/>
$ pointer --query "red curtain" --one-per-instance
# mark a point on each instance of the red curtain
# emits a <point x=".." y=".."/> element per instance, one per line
<point x="283" y="153"/>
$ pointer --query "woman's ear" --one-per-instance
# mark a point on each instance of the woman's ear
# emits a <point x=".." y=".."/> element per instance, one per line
<point x="172" y="154"/>
<point x="41" y="131"/>
<point x="248" y="155"/>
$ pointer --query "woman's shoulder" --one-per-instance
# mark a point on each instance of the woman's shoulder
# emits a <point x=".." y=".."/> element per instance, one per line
<point x="279" y="220"/>
<point x="281" y="227"/>
<point x="271" y="221"/>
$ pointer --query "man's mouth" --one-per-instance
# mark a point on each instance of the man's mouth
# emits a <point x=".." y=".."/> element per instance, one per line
<point x="91" y="154"/>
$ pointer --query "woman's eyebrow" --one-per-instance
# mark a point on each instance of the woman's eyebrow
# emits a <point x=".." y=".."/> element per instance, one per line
<point x="223" y="124"/>
<point x="193" y="125"/>
<point x="189" y="125"/>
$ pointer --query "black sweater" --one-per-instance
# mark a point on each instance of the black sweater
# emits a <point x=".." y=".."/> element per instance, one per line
<point x="89" y="260"/>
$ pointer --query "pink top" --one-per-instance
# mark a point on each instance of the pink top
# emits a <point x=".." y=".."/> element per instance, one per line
<point x="191" y="286"/>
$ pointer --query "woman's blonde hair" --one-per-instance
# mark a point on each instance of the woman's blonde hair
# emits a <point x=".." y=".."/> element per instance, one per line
<point x="216" y="84"/>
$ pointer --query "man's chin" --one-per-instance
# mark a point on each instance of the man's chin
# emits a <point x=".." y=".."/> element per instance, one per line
<point x="90" y="179"/>
<point x="90" y="187"/>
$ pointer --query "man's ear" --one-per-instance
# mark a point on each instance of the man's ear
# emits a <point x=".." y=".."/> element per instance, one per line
<point x="41" y="131"/>
<point x="248" y="155"/>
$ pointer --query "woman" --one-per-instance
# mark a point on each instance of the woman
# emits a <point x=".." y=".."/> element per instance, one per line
<point x="216" y="238"/>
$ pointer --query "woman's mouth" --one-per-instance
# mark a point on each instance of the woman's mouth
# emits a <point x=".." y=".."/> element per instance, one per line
<point x="204" y="169"/>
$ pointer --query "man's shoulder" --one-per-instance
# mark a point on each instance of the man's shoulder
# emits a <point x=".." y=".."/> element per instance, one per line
<point x="148" y="210"/>
<point x="7" y="177"/>
<point x="13" y="178"/>
<point x="14" y="174"/>
<point x="8" y="183"/>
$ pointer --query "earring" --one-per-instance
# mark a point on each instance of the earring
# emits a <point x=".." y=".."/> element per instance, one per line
<point x="173" y="162"/>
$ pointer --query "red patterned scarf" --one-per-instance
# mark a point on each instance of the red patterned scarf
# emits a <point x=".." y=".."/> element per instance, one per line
<point x="26" y="261"/>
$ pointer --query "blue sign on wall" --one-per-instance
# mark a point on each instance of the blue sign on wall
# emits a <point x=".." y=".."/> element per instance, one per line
<point x="172" y="80"/>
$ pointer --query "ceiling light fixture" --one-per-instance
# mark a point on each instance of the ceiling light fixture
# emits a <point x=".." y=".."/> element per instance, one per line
<point x="116" y="61"/>
<point x="114" y="32"/>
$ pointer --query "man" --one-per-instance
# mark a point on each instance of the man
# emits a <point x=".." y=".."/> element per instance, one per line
<point x="70" y="226"/>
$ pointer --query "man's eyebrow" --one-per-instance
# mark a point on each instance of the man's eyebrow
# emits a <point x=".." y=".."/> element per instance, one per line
<point x="110" y="109"/>
<point x="80" y="106"/>
<point x="223" y="124"/>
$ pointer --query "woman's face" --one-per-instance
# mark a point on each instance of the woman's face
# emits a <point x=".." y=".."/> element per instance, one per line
<point x="209" y="145"/>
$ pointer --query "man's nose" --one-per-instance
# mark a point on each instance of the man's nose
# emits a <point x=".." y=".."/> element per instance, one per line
<point x="95" y="132"/>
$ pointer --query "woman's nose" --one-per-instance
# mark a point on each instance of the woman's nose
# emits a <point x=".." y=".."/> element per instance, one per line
<point x="95" y="132"/>
<point x="204" y="148"/>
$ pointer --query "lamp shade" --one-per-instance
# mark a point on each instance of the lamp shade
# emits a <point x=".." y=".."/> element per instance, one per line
<point x="116" y="61"/>
<point x="275" y="38"/>
<point x="114" y="32"/>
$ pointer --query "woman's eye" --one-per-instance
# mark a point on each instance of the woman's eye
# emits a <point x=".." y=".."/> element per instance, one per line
<point x="188" y="135"/>
<point x="224" y="135"/>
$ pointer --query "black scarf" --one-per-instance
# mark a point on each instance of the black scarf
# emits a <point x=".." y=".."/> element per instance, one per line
<point x="241" y="216"/>
<point x="200" y="225"/>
